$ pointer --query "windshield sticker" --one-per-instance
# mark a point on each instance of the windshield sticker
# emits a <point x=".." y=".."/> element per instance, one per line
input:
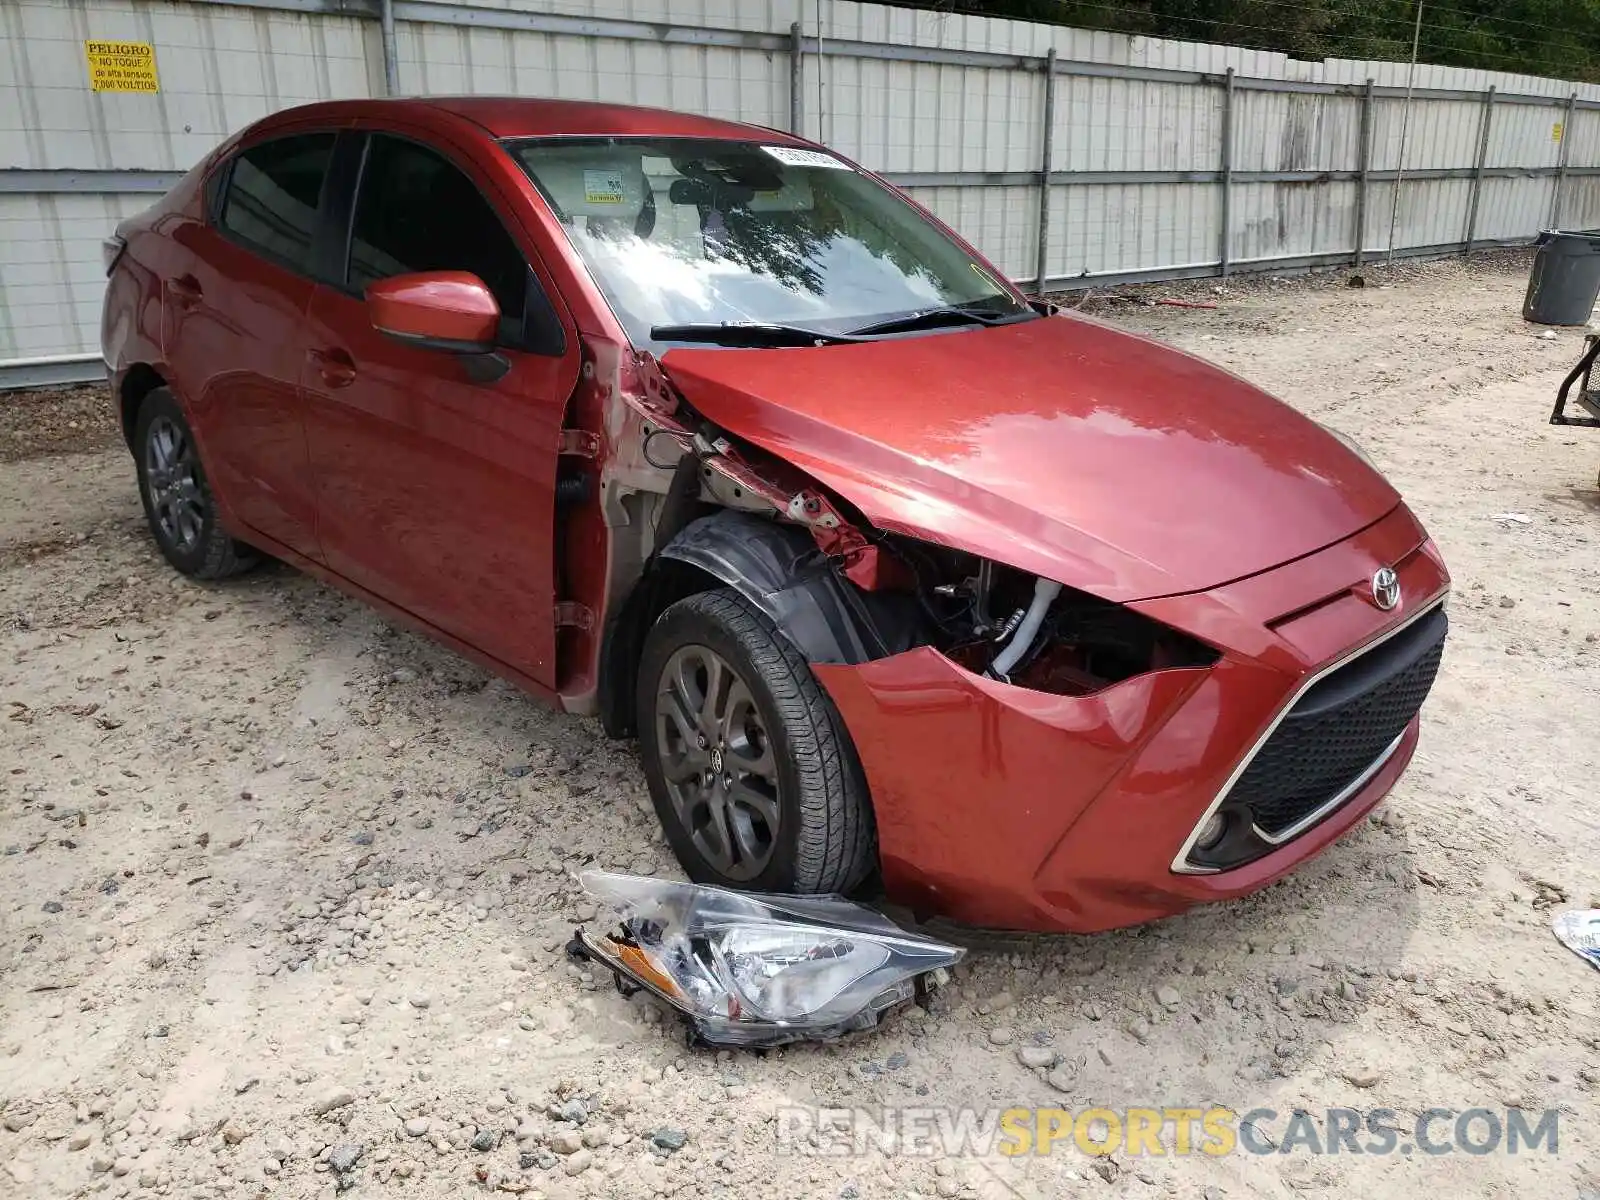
<point x="793" y="156"/>
<point x="603" y="187"/>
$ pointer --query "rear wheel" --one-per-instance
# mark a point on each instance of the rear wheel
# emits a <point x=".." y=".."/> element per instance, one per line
<point x="178" y="502"/>
<point x="750" y="767"/>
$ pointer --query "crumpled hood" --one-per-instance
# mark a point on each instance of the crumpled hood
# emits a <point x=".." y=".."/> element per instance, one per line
<point x="1060" y="446"/>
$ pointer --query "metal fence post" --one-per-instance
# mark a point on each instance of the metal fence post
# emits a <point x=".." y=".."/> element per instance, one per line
<point x="1561" y="169"/>
<point x="1477" y="173"/>
<point x="1363" y="173"/>
<point x="391" y="55"/>
<point x="797" y="110"/>
<point x="1046" y="165"/>
<point x="1227" y="171"/>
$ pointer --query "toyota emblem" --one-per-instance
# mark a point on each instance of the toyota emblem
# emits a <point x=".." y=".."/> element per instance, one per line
<point x="1386" y="589"/>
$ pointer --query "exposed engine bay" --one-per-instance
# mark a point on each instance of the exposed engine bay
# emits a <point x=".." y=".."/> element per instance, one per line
<point x="1035" y="633"/>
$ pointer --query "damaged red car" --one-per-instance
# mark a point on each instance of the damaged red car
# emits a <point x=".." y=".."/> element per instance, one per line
<point x="903" y="581"/>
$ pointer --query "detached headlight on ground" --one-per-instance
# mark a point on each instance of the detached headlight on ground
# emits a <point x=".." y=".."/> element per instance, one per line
<point x="752" y="970"/>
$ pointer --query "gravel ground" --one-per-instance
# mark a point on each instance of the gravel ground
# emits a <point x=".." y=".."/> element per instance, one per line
<point x="284" y="890"/>
<point x="66" y="420"/>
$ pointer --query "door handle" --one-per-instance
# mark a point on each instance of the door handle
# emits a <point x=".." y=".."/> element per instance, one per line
<point x="185" y="291"/>
<point x="336" y="367"/>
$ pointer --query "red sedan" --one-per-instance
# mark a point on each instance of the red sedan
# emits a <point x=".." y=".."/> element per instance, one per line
<point x="904" y="581"/>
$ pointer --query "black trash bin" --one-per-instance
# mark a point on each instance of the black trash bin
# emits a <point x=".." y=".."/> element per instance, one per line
<point x="1565" y="279"/>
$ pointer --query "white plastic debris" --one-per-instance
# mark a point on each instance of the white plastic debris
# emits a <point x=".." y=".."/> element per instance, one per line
<point x="1515" y="518"/>
<point x="1579" y="931"/>
<point x="1549" y="335"/>
<point x="754" y="970"/>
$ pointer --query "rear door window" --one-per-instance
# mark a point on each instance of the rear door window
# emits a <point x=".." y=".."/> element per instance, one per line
<point x="272" y="196"/>
<point x="416" y="211"/>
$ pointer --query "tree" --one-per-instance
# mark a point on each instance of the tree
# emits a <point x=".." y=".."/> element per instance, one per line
<point x="1554" y="38"/>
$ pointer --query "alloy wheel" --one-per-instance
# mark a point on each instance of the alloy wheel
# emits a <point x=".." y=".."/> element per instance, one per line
<point x="170" y="479"/>
<point x="716" y="756"/>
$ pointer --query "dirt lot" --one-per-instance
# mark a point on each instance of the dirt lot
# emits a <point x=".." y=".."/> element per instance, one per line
<point x="281" y="884"/>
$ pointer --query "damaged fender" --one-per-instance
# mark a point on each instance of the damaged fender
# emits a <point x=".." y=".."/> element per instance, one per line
<point x="780" y="570"/>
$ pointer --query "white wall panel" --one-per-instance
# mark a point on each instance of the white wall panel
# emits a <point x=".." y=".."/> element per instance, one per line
<point x="1098" y="228"/>
<point x="1515" y="207"/>
<point x="1432" y="212"/>
<point x="1284" y="131"/>
<point x="1134" y="125"/>
<point x="896" y="116"/>
<point x="1580" y="203"/>
<point x="1524" y="135"/>
<point x="223" y="66"/>
<point x="1002" y="221"/>
<point x="51" y="276"/>
<point x="1280" y="220"/>
<point x="1584" y="139"/>
<point x="1440" y="133"/>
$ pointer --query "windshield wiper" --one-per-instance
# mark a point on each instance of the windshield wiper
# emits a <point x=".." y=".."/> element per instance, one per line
<point x="746" y="333"/>
<point x="934" y="318"/>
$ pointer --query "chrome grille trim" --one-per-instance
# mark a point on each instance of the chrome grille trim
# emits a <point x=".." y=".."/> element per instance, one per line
<point x="1350" y="789"/>
<point x="1181" y="865"/>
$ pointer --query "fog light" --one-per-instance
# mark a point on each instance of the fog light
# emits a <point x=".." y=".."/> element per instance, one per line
<point x="1211" y="832"/>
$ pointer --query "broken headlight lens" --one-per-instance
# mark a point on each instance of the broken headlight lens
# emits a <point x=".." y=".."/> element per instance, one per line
<point x="752" y="970"/>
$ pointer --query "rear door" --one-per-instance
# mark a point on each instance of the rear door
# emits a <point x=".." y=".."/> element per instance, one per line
<point x="435" y="491"/>
<point x="234" y="330"/>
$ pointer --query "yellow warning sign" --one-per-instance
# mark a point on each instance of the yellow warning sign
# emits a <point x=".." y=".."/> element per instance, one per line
<point x="1556" y="131"/>
<point x="122" y="66"/>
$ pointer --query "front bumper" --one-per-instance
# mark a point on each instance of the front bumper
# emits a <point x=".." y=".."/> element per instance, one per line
<point x="1006" y="808"/>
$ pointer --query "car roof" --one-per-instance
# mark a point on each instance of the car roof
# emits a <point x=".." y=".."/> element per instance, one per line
<point x="523" y="116"/>
<point x="516" y="116"/>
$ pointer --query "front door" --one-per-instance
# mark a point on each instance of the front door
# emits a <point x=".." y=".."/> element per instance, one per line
<point x="435" y="491"/>
<point x="234" y="332"/>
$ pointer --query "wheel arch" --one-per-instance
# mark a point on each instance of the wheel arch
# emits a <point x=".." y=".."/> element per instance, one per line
<point x="778" y="568"/>
<point x="137" y="383"/>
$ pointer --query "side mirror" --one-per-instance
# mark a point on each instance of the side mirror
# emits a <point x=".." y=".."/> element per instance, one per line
<point x="437" y="310"/>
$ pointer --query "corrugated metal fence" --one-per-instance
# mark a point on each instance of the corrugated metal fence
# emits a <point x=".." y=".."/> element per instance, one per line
<point x="1158" y="159"/>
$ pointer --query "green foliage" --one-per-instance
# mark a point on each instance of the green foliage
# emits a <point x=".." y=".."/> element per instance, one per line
<point x="1555" y="38"/>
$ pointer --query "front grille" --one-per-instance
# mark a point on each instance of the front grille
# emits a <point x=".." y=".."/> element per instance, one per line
<point x="1339" y="728"/>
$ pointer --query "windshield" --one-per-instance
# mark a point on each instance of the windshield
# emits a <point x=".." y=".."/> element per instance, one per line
<point x="696" y="233"/>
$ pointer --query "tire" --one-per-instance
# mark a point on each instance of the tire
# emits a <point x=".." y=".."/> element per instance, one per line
<point x="178" y="502"/>
<point x="780" y="740"/>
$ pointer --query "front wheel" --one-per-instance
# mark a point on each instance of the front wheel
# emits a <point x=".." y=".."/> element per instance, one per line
<point x="178" y="501"/>
<point x="751" y="769"/>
